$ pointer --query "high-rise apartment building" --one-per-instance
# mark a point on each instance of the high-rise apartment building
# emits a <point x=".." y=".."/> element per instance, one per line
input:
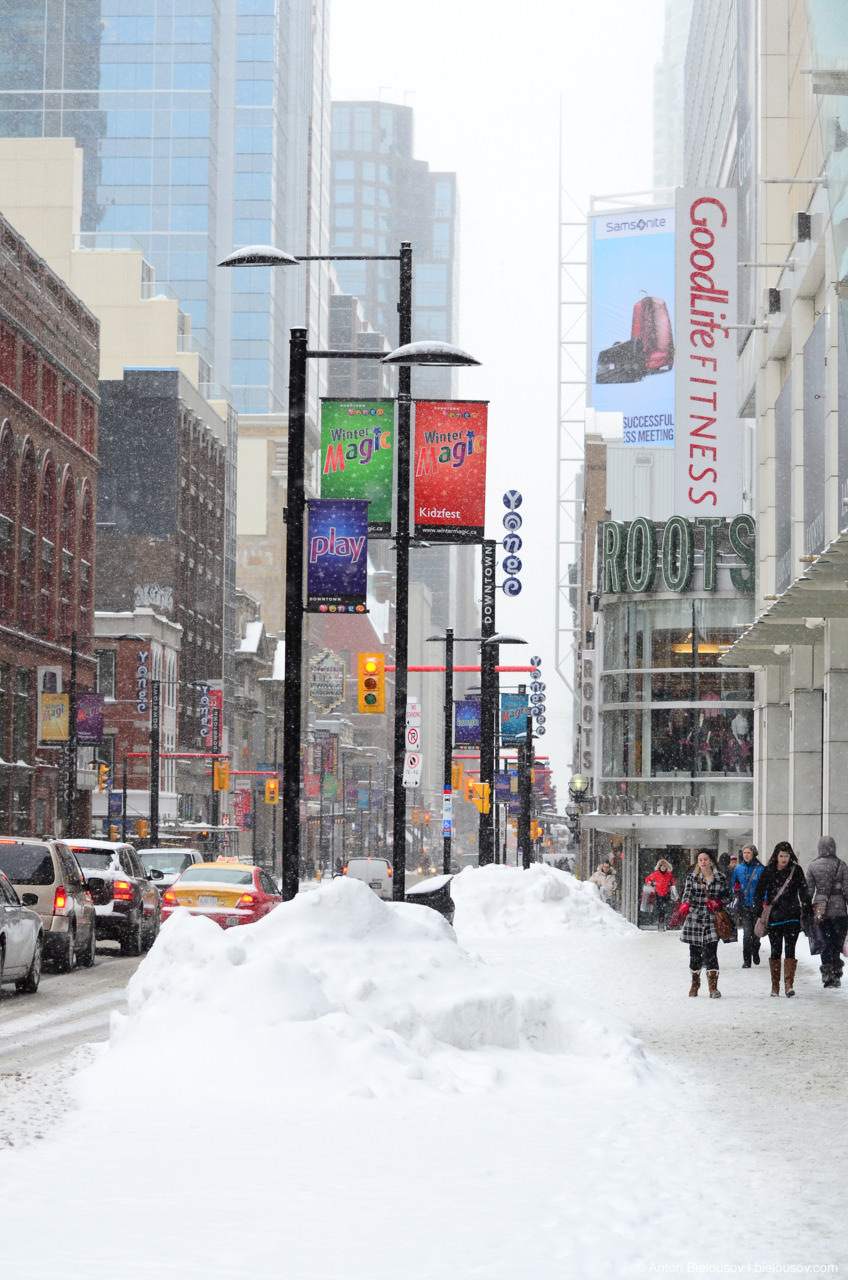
<point x="204" y="126"/>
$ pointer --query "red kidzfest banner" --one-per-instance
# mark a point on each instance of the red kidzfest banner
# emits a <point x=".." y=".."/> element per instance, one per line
<point x="449" y="462"/>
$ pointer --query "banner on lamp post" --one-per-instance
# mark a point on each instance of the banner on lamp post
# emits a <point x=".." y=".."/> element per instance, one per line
<point x="514" y="711"/>
<point x="337" y="556"/>
<point x="450" y="470"/>
<point x="357" y="456"/>
<point x="466" y="722"/>
<point x="89" y="719"/>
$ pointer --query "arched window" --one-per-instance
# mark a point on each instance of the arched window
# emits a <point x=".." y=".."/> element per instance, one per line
<point x="68" y="541"/>
<point x="28" y="507"/>
<point x="8" y="492"/>
<point x="47" y="591"/>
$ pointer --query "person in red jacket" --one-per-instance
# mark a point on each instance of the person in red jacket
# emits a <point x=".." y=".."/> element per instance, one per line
<point x="665" y="890"/>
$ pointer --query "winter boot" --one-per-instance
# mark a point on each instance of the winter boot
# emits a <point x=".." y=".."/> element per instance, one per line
<point x="696" y="982"/>
<point x="774" y="965"/>
<point x="712" y="983"/>
<point x="755" y="951"/>
<point x="789" y="975"/>
<point x="826" y="975"/>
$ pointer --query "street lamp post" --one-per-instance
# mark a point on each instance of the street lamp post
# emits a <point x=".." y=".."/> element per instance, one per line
<point x="71" y="778"/>
<point x="407" y="354"/>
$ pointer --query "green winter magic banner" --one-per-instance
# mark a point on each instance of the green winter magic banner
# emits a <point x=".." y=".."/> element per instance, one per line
<point x="357" y="456"/>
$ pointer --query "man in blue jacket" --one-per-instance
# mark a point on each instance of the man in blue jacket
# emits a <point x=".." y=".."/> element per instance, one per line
<point x="744" y="882"/>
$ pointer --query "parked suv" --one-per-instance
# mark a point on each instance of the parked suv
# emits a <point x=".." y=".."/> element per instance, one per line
<point x="125" y="898"/>
<point x="48" y="871"/>
<point x="376" y="872"/>
<point x="164" y="865"/>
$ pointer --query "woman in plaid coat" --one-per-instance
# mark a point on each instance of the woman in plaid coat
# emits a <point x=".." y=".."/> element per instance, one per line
<point x="702" y="896"/>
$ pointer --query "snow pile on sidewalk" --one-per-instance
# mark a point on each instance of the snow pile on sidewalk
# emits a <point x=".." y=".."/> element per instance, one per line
<point x="539" y="902"/>
<point x="340" y="992"/>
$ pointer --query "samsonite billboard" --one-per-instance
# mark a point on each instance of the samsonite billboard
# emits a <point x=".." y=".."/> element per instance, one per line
<point x="633" y="348"/>
<point x="449" y="461"/>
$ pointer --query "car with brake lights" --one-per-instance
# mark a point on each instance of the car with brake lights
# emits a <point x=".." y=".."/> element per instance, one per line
<point x="126" y="900"/>
<point x="375" y="872"/>
<point x="228" y="891"/>
<point x="48" y="872"/>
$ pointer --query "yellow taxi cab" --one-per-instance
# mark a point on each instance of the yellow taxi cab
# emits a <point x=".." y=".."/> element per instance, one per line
<point x="228" y="891"/>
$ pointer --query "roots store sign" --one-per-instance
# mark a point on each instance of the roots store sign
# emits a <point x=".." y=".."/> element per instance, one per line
<point x="645" y="556"/>
<point x="664" y="349"/>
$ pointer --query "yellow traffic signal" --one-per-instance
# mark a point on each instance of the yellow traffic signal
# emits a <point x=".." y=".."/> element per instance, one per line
<point x="456" y="775"/>
<point x="102" y="777"/>
<point x="143" y="828"/>
<point x="113" y="833"/>
<point x="371" y="685"/>
<point x="221" y="775"/>
<point x="480" y="796"/>
<point x="272" y="790"/>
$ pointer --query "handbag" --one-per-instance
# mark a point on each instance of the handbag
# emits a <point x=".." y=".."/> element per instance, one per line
<point x="724" y="926"/>
<point x="816" y="939"/>
<point x="675" y="920"/>
<point x="820" y="907"/>
<point x="647" y="897"/>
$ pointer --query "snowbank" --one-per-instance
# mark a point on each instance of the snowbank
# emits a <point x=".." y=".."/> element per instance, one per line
<point x="497" y="901"/>
<point x="342" y="994"/>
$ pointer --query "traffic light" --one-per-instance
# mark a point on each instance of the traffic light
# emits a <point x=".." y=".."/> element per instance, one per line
<point x="114" y="833"/>
<point x="272" y="790"/>
<point x="143" y="828"/>
<point x="102" y="777"/>
<point x="456" y="775"/>
<point x="221" y="775"/>
<point x="371" y="685"/>
<point x="480" y="796"/>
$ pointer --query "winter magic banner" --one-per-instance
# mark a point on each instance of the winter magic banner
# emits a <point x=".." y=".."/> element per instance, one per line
<point x="450" y="469"/>
<point x="337" y="556"/>
<point x="357" y="455"/>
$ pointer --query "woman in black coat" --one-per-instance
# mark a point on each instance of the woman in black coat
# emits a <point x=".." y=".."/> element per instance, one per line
<point x="784" y="886"/>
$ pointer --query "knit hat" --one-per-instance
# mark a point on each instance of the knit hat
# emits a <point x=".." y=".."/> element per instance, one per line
<point x="826" y="847"/>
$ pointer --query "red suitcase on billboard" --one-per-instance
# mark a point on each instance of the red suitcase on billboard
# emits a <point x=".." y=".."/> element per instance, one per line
<point x="652" y="326"/>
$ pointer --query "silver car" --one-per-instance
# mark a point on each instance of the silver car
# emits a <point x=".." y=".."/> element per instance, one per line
<point x="21" y="939"/>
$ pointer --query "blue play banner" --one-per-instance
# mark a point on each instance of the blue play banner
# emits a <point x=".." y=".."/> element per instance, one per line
<point x="337" y="555"/>
<point x="466" y="722"/>
<point x="514" y="709"/>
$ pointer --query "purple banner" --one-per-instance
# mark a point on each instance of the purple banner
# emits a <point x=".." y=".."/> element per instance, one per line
<point x="466" y="722"/>
<point x="89" y="719"/>
<point x="337" y="556"/>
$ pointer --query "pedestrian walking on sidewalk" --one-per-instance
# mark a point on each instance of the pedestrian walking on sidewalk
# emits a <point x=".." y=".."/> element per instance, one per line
<point x="604" y="878"/>
<point x="703" y="892"/>
<point x="664" y="886"/>
<point x="827" y="881"/>
<point x="783" y="887"/>
<point x="744" y="883"/>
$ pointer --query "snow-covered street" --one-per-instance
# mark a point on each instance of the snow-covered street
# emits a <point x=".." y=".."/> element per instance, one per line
<point x="346" y="1094"/>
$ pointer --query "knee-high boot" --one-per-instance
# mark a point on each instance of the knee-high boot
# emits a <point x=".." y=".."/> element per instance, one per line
<point x="712" y="983"/>
<point x="774" y="966"/>
<point x="789" y="975"/>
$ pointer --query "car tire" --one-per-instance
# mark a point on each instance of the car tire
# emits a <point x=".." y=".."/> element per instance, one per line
<point x="66" y="962"/>
<point x="153" y="932"/>
<point x="29" y="984"/>
<point x="87" y="960"/>
<point x="131" y="943"/>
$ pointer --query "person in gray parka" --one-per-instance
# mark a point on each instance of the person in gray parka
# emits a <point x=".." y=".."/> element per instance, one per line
<point x="827" y="881"/>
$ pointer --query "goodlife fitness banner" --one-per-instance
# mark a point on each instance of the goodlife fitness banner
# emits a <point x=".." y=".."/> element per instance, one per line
<point x="450" y="470"/>
<point x="708" y="445"/>
<point x="633" y="322"/>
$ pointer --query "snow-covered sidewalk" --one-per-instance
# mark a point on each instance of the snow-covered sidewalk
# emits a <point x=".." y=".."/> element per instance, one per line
<point x="345" y="1094"/>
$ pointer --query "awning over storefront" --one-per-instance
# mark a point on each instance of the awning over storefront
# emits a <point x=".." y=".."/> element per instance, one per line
<point x="795" y="616"/>
<point x="687" y="830"/>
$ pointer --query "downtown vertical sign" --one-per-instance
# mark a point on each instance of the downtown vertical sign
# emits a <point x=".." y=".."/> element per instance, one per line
<point x="450" y="470"/>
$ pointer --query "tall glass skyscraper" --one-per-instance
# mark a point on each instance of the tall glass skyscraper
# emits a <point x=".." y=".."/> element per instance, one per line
<point x="204" y="126"/>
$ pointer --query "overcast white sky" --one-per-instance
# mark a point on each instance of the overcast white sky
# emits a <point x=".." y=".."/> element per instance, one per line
<point x="489" y="83"/>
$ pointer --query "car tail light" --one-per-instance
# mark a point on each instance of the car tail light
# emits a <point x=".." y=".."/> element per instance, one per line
<point x="169" y="898"/>
<point x="122" y="890"/>
<point x="60" y="900"/>
<point x="389" y="871"/>
<point x="344" y="871"/>
<point x="247" y="900"/>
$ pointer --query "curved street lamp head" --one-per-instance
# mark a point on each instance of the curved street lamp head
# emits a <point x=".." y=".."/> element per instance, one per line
<point x="502" y="638"/>
<point x="258" y="255"/>
<point x="442" y="353"/>
<point x="578" y="784"/>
